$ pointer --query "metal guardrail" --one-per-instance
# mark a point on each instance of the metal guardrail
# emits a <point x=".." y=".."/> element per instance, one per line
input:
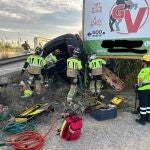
<point x="13" y="60"/>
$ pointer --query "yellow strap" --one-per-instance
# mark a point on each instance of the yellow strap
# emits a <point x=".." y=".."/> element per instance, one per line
<point x="62" y="127"/>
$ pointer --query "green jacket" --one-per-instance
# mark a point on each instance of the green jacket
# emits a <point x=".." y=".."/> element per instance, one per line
<point x="51" y="58"/>
<point x="96" y="63"/>
<point x="36" y="60"/>
<point x="144" y="78"/>
<point x="74" y="63"/>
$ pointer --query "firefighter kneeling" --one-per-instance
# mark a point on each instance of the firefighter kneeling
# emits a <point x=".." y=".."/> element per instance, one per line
<point x="95" y="65"/>
<point x="34" y="64"/>
<point x="51" y="59"/>
<point x="73" y="67"/>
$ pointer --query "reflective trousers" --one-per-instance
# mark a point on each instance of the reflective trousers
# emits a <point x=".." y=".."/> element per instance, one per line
<point x="144" y="103"/>
<point x="95" y="86"/>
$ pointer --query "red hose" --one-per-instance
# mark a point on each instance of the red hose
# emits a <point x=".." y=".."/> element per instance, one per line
<point x="30" y="140"/>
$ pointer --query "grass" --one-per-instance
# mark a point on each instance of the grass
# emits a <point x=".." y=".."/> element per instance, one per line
<point x="57" y="93"/>
<point x="127" y="70"/>
<point x="6" y="49"/>
<point x="11" y="95"/>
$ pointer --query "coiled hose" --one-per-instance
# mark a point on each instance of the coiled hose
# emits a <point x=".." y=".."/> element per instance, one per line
<point x="17" y="127"/>
<point x="30" y="140"/>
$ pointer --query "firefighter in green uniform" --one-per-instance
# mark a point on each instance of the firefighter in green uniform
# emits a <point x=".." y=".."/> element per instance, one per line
<point x="34" y="64"/>
<point x="144" y="91"/>
<point x="50" y="60"/>
<point x="73" y="67"/>
<point x="52" y="57"/>
<point x="95" y="66"/>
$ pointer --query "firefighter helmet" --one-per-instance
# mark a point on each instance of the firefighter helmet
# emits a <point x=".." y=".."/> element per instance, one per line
<point x="146" y="57"/>
<point x="93" y="56"/>
<point x="76" y="50"/>
<point x="38" y="50"/>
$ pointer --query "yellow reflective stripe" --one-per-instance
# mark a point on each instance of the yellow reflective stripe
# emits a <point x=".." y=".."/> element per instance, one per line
<point x="95" y="64"/>
<point x="63" y="127"/>
<point x="36" y="60"/>
<point x="74" y="63"/>
<point x="90" y="65"/>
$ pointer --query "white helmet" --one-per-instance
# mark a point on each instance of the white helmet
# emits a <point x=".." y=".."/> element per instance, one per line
<point x="93" y="56"/>
<point x="76" y="50"/>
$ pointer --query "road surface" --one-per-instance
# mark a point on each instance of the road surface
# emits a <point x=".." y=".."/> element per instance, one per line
<point x="10" y="68"/>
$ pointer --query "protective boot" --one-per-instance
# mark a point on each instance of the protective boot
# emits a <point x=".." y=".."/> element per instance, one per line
<point x="92" y="87"/>
<point x="27" y="93"/>
<point x="142" y="120"/>
<point x="148" y="118"/>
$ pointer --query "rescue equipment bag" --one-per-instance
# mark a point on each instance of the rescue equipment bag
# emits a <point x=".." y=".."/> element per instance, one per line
<point x="107" y="98"/>
<point x="103" y="114"/>
<point x="116" y="100"/>
<point x="71" y="127"/>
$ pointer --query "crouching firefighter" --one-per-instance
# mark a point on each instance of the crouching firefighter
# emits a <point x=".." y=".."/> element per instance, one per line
<point x="95" y="66"/>
<point x="73" y="67"/>
<point x="144" y="91"/>
<point x="51" y="59"/>
<point x="34" y="64"/>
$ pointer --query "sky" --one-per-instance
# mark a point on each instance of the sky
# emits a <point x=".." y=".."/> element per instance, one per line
<point x="26" y="19"/>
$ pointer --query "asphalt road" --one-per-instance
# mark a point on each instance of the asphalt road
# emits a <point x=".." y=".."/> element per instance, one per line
<point x="10" y="68"/>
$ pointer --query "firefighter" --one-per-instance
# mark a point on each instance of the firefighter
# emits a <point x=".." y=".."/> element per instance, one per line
<point x="144" y="91"/>
<point x="52" y="57"/>
<point x="34" y="64"/>
<point x="73" y="67"/>
<point x="50" y="60"/>
<point x="95" y="66"/>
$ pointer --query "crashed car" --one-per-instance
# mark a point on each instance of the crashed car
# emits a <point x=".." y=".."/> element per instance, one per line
<point x="66" y="43"/>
